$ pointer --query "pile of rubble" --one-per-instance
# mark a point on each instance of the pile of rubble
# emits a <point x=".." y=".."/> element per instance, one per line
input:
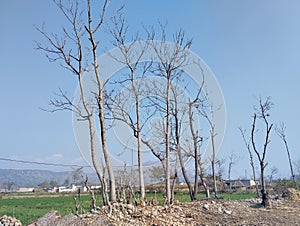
<point x="9" y="221"/>
<point x="201" y="212"/>
<point x="291" y="194"/>
<point x="187" y="213"/>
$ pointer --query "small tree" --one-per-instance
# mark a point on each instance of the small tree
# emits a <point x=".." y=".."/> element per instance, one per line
<point x="233" y="158"/>
<point x="280" y="130"/>
<point x="53" y="183"/>
<point x="262" y="113"/>
<point x="273" y="172"/>
<point x="247" y="143"/>
<point x="77" y="175"/>
<point x="297" y="169"/>
<point x="156" y="173"/>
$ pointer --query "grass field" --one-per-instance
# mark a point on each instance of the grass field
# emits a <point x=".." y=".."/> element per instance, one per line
<point x="28" y="208"/>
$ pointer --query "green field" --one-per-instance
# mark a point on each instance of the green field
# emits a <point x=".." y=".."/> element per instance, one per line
<point x="28" y="208"/>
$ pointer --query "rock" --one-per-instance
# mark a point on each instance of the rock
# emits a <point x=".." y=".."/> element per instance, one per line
<point x="70" y="219"/>
<point x="291" y="194"/>
<point x="206" y="206"/>
<point x="9" y="221"/>
<point x="228" y="212"/>
<point x="51" y="218"/>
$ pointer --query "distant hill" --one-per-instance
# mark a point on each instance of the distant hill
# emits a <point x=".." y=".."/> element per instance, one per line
<point x="28" y="177"/>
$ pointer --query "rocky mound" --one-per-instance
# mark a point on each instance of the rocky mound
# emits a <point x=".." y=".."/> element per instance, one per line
<point x="202" y="212"/>
<point x="9" y="221"/>
<point x="291" y="194"/>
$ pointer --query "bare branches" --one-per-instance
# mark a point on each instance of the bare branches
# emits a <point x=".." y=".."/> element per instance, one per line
<point x="62" y="103"/>
<point x="72" y="50"/>
<point x="65" y="48"/>
<point x="262" y="112"/>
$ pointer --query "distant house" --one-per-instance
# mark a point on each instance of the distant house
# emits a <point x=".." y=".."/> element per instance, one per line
<point x="24" y="189"/>
<point x="73" y="188"/>
<point x="241" y="184"/>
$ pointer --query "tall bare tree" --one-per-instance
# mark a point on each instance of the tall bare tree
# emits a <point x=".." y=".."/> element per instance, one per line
<point x="179" y="112"/>
<point x="280" y="130"/>
<point x="207" y="110"/>
<point x="73" y="48"/>
<point x="130" y="57"/>
<point x="171" y="59"/>
<point x="197" y="141"/>
<point x="262" y="112"/>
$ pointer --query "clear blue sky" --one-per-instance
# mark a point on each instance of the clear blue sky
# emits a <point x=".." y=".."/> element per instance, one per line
<point x="253" y="47"/>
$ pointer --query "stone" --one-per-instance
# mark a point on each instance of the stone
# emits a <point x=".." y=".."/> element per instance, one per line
<point x="206" y="206"/>
<point x="228" y="212"/>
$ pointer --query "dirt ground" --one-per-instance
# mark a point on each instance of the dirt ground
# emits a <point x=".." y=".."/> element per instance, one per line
<point x="283" y="211"/>
<point x="211" y="212"/>
<point x="202" y="212"/>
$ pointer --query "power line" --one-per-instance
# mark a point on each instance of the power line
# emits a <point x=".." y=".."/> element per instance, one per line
<point x="42" y="163"/>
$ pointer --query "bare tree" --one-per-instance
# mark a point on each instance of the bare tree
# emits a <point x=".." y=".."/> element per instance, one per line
<point x="156" y="173"/>
<point x="220" y="168"/>
<point x="280" y="131"/>
<point x="73" y="48"/>
<point x="92" y="192"/>
<point x="233" y="158"/>
<point x="247" y="143"/>
<point x="178" y="112"/>
<point x="273" y="172"/>
<point x="197" y="141"/>
<point x="297" y="169"/>
<point x="171" y="59"/>
<point x="262" y="112"/>
<point x="207" y="110"/>
<point x="131" y="58"/>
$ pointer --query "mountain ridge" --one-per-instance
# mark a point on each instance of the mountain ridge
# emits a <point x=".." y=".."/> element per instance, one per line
<point x="34" y="177"/>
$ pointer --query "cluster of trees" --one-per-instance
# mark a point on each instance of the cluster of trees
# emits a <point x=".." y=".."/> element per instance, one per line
<point x="147" y="88"/>
<point x="263" y="131"/>
<point x="156" y="87"/>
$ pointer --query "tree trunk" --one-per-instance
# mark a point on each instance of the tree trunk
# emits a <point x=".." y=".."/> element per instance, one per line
<point x="195" y="147"/>
<point x="290" y="162"/>
<point x="100" y="102"/>
<point x="140" y="162"/>
<point x="202" y="177"/>
<point x="112" y="183"/>
<point x="196" y="182"/>
<point x="185" y="176"/>
<point x="213" y="163"/>
<point x="138" y="136"/>
<point x="167" y="134"/>
<point x="254" y="178"/>
<point x="173" y="184"/>
<point x="92" y="143"/>
<point x="229" y="174"/>
<point x="264" y="193"/>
